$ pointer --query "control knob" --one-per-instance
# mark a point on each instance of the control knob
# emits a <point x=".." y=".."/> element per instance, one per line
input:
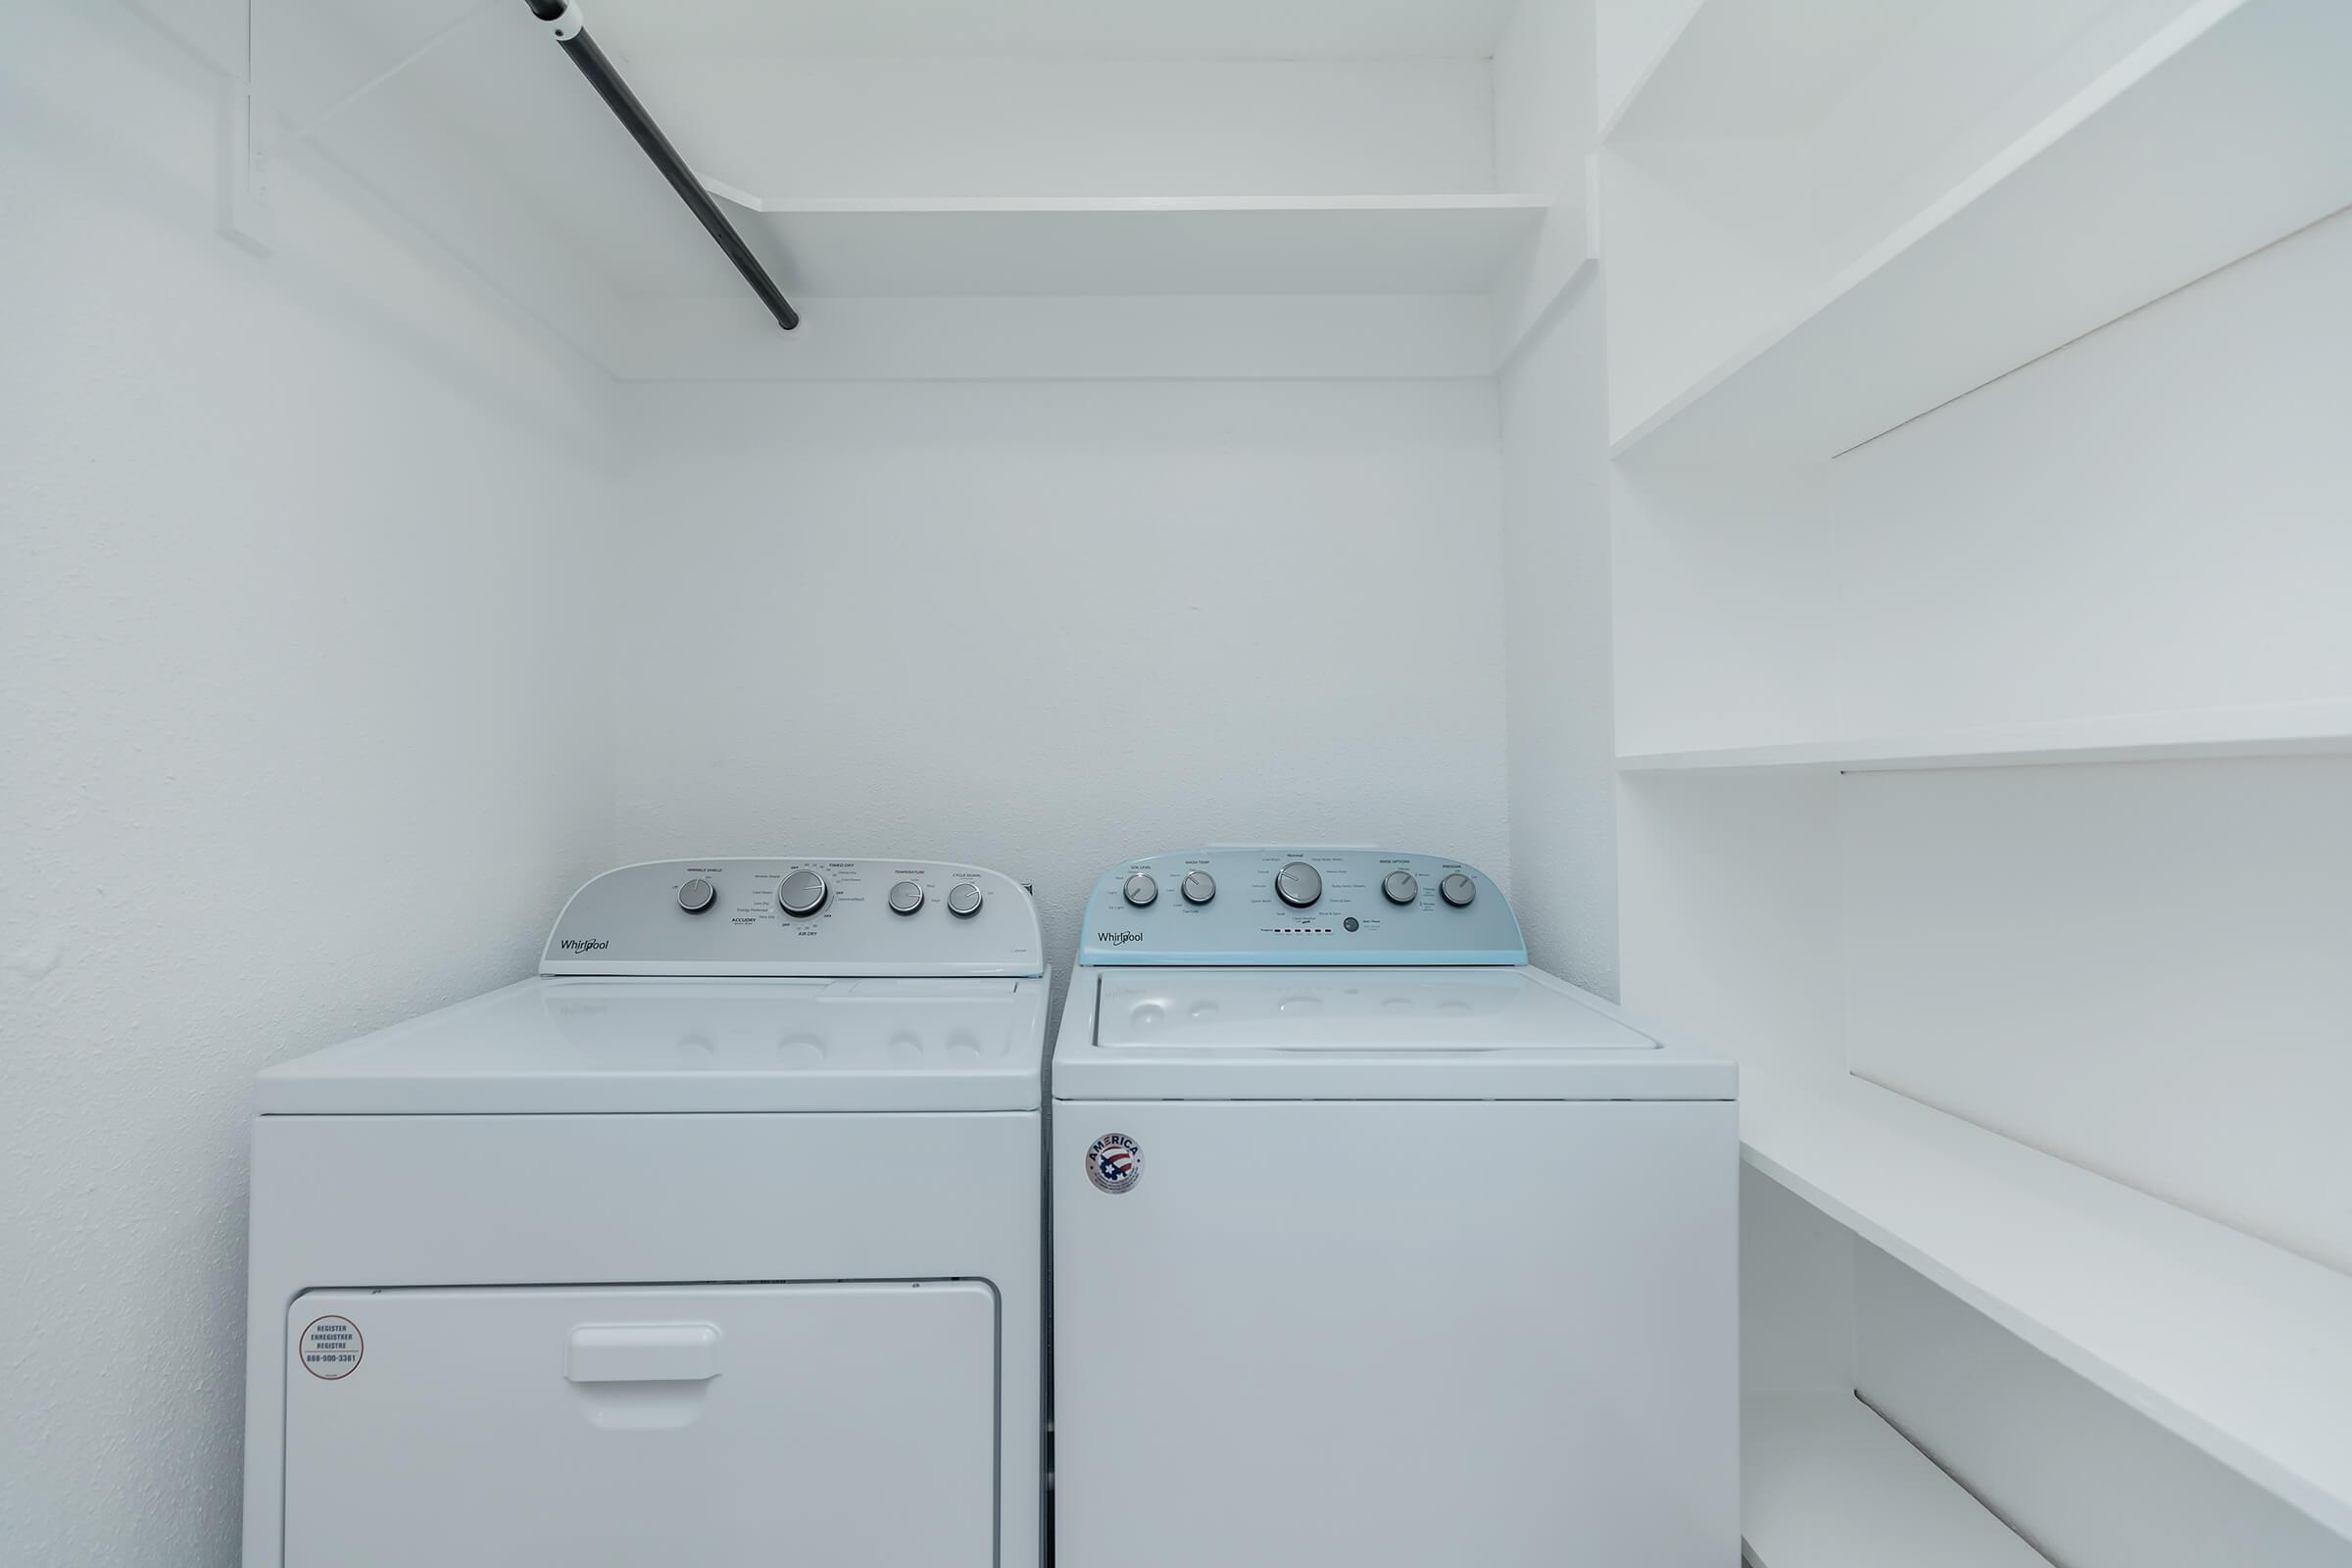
<point x="1457" y="890"/>
<point x="905" y="896"/>
<point x="1139" y="889"/>
<point x="1199" y="887"/>
<point x="1298" y="885"/>
<point x="697" y="895"/>
<point x="964" y="900"/>
<point x="1400" y="887"/>
<point x="803" y="894"/>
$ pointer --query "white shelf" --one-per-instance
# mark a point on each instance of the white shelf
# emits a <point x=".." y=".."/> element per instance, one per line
<point x="1178" y="245"/>
<point x="2230" y="130"/>
<point x="2278" y="729"/>
<point x="1825" y="1484"/>
<point x="2237" y="1348"/>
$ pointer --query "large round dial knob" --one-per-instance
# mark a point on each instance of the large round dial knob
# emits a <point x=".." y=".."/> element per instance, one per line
<point x="963" y="898"/>
<point x="905" y="896"/>
<point x="1298" y="884"/>
<point x="803" y="894"/>
<point x="697" y="895"/>
<point x="1457" y="890"/>
<point x="1400" y="887"/>
<point x="1139" y="889"/>
<point x="1199" y="887"/>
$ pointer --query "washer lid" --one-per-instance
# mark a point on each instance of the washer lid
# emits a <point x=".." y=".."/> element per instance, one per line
<point x="639" y="1045"/>
<point x="1363" y="1033"/>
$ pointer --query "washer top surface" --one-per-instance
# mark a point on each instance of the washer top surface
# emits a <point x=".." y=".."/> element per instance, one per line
<point x="1362" y="1034"/>
<point x="1356" y="1009"/>
<point x="716" y="986"/>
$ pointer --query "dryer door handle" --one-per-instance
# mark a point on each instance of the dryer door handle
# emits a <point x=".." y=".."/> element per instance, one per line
<point x="643" y="1352"/>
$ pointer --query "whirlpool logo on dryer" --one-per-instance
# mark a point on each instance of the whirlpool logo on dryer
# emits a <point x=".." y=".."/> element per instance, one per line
<point x="1119" y="938"/>
<point x="583" y="943"/>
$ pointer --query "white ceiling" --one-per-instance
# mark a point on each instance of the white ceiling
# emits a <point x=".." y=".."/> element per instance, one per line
<point x="1225" y="30"/>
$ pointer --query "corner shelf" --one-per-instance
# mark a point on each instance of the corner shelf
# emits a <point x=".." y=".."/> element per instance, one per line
<point x="2275" y="729"/>
<point x="1825" y="1484"/>
<point x="2239" y="1349"/>
<point x="2227" y="130"/>
<point x="1139" y="245"/>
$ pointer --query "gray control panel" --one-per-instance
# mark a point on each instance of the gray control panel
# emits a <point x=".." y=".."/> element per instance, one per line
<point x="811" y="916"/>
<point x="1276" y="906"/>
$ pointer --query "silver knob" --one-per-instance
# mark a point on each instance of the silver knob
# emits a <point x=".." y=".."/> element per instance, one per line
<point x="803" y="894"/>
<point x="905" y="896"/>
<point x="1457" y="890"/>
<point x="1140" y="889"/>
<point x="1298" y="884"/>
<point x="696" y="896"/>
<point x="1401" y="887"/>
<point x="1199" y="887"/>
<point x="964" y="900"/>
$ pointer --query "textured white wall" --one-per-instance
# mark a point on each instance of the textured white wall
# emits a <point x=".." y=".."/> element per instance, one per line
<point x="301" y="563"/>
<point x="1041" y="627"/>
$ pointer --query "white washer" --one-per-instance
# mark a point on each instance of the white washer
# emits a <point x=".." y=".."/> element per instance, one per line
<point x="719" y="1242"/>
<point x="1374" y="1245"/>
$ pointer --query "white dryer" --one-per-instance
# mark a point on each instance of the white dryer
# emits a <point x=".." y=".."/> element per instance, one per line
<point x="719" y="1242"/>
<point x="1374" y="1245"/>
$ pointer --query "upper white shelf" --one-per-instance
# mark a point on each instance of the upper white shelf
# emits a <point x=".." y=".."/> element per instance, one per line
<point x="1825" y="1484"/>
<point x="2273" y="729"/>
<point x="1178" y="245"/>
<point x="2229" y="129"/>
<point x="2237" y="1348"/>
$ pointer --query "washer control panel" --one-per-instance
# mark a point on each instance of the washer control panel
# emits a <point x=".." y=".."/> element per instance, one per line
<point x="1278" y="904"/>
<point x="809" y="916"/>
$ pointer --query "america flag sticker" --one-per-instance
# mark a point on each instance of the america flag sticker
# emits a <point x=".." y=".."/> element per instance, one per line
<point x="1113" y="1163"/>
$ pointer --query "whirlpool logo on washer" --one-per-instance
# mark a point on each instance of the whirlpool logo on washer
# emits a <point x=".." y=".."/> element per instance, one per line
<point x="1114" y="1163"/>
<point x="1119" y="938"/>
<point x="583" y="943"/>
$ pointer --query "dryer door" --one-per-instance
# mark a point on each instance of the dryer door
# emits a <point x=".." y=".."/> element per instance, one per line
<point x="717" y="1426"/>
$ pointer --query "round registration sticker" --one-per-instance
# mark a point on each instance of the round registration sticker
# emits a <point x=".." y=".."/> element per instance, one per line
<point x="1114" y="1163"/>
<point x="331" y="1347"/>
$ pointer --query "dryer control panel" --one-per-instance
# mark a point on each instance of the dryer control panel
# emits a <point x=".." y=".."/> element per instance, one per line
<point x="1283" y="906"/>
<point x="809" y="916"/>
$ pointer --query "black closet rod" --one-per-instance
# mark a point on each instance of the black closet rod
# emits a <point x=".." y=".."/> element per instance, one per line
<point x="563" y="17"/>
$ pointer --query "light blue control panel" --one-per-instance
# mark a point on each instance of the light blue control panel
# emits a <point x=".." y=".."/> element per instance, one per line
<point x="1280" y="904"/>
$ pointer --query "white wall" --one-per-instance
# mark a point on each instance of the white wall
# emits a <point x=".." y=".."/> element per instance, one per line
<point x="1561" y="719"/>
<point x="1046" y="626"/>
<point x="302" y="733"/>
<point x="1552" y="397"/>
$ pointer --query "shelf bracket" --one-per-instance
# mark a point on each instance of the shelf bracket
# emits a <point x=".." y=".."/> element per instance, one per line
<point x="564" y="20"/>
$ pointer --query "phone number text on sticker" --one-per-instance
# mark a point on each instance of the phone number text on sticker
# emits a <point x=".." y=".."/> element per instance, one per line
<point x="331" y="1347"/>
